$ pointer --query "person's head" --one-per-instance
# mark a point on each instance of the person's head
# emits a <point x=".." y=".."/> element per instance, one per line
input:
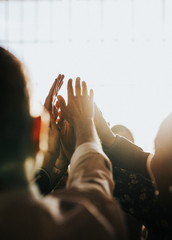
<point x="161" y="163"/>
<point x="15" y="120"/>
<point x="123" y="131"/>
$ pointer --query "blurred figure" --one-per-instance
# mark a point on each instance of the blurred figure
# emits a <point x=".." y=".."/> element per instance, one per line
<point x="123" y="131"/>
<point x="85" y="209"/>
<point x="160" y="165"/>
<point x="147" y="200"/>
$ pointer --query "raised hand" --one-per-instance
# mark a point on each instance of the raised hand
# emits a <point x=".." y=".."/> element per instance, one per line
<point x="52" y="95"/>
<point x="80" y="106"/>
<point x="53" y="133"/>
<point x="79" y="112"/>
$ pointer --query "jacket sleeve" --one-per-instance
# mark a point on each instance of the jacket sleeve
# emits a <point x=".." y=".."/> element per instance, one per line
<point x="124" y="154"/>
<point x="91" y="169"/>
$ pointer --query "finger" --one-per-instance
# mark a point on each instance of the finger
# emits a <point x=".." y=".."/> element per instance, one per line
<point x="78" y="87"/>
<point x="84" y="89"/>
<point x="61" y="124"/>
<point x="54" y="85"/>
<point x="59" y="82"/>
<point x="91" y="96"/>
<point x="48" y="101"/>
<point x="60" y="117"/>
<point x="61" y="104"/>
<point x="70" y="90"/>
<point x="60" y="114"/>
<point x="55" y="111"/>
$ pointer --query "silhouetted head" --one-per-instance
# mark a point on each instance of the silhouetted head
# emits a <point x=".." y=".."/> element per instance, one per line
<point x="15" y="120"/>
<point x="123" y="131"/>
<point x="161" y="163"/>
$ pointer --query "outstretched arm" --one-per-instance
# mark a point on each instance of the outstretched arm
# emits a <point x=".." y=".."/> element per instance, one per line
<point x="90" y="180"/>
<point x="121" y="152"/>
<point x="106" y="135"/>
<point x="90" y="167"/>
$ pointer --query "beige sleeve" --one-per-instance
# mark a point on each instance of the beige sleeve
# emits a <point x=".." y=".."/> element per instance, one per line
<point x="91" y="169"/>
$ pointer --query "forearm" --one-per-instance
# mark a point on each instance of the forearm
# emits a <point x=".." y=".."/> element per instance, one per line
<point x="122" y="153"/>
<point x="51" y="172"/>
<point x="43" y="181"/>
<point x="60" y="169"/>
<point x="86" y="132"/>
<point x="106" y="135"/>
<point x="43" y="175"/>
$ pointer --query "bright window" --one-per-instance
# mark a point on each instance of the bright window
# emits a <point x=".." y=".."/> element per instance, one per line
<point x="122" y="48"/>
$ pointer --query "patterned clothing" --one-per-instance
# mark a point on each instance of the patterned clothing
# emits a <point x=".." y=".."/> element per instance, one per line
<point x="135" y="191"/>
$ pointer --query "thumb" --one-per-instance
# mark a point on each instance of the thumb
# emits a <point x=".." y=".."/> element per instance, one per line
<point x="61" y="104"/>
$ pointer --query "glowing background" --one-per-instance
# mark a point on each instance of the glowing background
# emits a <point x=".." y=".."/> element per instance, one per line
<point x="122" y="48"/>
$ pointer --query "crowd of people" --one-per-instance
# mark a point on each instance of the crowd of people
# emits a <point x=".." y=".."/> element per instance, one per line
<point x="93" y="182"/>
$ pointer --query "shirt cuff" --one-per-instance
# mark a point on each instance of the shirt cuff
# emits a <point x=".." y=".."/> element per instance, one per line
<point x="84" y="149"/>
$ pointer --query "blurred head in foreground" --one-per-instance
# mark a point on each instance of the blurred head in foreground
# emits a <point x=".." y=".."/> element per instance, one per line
<point x="123" y="131"/>
<point x="16" y="124"/>
<point x="161" y="163"/>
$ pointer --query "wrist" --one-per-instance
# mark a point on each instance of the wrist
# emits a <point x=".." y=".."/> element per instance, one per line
<point x="108" y="139"/>
<point x="79" y="123"/>
<point x="83" y="127"/>
<point x="85" y="132"/>
<point x="106" y="135"/>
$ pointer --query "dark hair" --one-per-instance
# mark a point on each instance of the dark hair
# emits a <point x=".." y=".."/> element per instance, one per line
<point x="14" y="106"/>
<point x="120" y="129"/>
